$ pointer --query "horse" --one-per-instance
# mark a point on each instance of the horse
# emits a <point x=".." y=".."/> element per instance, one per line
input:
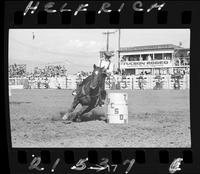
<point x="90" y="94"/>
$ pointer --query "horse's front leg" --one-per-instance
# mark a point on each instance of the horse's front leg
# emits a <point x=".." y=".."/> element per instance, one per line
<point x="84" y="109"/>
<point x="71" y="109"/>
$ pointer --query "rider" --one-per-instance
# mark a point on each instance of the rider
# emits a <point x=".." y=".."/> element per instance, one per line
<point x="106" y="64"/>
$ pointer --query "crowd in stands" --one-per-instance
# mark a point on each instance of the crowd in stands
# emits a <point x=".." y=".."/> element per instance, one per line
<point x="60" y="71"/>
<point x="40" y="77"/>
<point x="50" y="71"/>
<point x="17" y="70"/>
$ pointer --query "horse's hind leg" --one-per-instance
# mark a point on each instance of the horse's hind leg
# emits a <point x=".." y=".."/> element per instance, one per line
<point x="76" y="116"/>
<point x="71" y="109"/>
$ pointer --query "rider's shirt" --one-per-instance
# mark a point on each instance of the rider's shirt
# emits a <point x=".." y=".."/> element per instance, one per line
<point x="105" y="64"/>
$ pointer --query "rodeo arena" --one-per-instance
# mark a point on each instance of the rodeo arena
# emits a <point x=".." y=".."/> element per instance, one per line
<point x="144" y="101"/>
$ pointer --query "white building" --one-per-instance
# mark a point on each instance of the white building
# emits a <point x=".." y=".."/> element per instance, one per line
<point x="154" y="59"/>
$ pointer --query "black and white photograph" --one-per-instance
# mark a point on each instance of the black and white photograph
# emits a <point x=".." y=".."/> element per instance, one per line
<point x="99" y="88"/>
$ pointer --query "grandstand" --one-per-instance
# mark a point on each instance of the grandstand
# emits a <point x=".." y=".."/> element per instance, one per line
<point x="17" y="70"/>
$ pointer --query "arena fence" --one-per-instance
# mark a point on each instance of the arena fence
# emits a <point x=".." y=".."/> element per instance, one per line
<point x="113" y="82"/>
<point x="149" y="82"/>
<point x="18" y="83"/>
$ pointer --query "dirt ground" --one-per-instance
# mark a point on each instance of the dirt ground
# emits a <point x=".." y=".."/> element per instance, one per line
<point x="157" y="118"/>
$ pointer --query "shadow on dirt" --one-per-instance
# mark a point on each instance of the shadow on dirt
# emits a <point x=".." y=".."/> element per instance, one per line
<point x="94" y="115"/>
<point x="90" y="116"/>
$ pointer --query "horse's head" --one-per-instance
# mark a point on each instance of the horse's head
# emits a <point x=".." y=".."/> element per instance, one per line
<point x="97" y="76"/>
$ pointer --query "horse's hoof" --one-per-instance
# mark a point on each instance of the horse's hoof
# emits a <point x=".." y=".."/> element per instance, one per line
<point x="64" y="117"/>
<point x="74" y="93"/>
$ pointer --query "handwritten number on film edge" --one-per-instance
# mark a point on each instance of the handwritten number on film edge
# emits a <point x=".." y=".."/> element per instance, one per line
<point x="131" y="162"/>
<point x="175" y="165"/>
<point x="104" y="163"/>
<point x="35" y="164"/>
<point x="102" y="166"/>
<point x="55" y="164"/>
<point x="80" y="165"/>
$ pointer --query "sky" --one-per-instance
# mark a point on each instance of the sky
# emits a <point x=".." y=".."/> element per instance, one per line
<point x="79" y="49"/>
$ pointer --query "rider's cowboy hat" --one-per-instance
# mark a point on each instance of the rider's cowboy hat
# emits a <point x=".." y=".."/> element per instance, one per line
<point x="108" y="53"/>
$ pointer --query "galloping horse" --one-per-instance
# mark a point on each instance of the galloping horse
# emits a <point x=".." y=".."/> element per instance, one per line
<point x="89" y="94"/>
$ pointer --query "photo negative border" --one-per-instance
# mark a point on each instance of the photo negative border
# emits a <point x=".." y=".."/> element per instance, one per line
<point x="174" y="14"/>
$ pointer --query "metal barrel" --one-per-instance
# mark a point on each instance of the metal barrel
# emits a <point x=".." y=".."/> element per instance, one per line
<point x="117" y="108"/>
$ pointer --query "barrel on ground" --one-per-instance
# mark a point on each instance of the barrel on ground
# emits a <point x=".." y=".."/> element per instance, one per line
<point x="117" y="108"/>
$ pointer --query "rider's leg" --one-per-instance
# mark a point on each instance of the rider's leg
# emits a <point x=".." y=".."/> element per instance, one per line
<point x="102" y="96"/>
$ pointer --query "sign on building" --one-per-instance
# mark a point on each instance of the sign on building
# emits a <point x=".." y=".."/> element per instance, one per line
<point x="146" y="64"/>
